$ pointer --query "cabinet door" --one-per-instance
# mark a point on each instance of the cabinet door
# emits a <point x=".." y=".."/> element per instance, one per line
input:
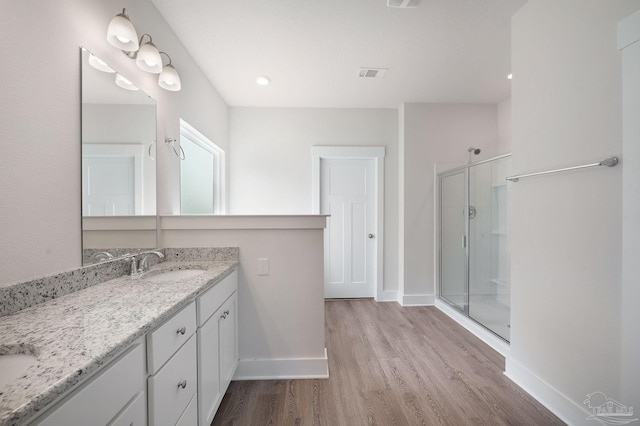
<point x="100" y="400"/>
<point x="209" y="394"/>
<point x="135" y="414"/>
<point x="228" y="321"/>
<point x="190" y="415"/>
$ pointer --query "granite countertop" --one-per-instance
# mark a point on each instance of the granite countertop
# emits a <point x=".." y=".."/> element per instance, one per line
<point x="75" y="335"/>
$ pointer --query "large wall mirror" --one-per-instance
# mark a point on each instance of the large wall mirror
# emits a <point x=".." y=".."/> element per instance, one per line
<point x="118" y="164"/>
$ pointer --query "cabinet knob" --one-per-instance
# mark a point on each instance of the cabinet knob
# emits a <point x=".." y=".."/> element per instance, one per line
<point x="182" y="384"/>
<point x="182" y="330"/>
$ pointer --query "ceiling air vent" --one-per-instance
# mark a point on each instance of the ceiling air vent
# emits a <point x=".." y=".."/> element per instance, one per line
<point x="372" y="72"/>
<point x="405" y="4"/>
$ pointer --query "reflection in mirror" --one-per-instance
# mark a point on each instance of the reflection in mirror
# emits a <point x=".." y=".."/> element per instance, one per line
<point x="118" y="168"/>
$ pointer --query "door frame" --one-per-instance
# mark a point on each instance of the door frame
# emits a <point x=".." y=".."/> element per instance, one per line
<point x="375" y="153"/>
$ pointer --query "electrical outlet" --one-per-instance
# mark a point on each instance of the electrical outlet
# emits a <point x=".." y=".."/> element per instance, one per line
<point x="263" y="266"/>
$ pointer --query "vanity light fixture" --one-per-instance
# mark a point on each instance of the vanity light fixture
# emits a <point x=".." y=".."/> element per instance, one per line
<point x="122" y="34"/>
<point x="263" y="80"/>
<point x="148" y="57"/>
<point x="169" y="78"/>
<point x="99" y="64"/>
<point x="125" y="84"/>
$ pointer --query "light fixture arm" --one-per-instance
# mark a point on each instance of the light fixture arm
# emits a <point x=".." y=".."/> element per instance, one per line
<point x="134" y="54"/>
<point x="165" y="53"/>
<point x="124" y="14"/>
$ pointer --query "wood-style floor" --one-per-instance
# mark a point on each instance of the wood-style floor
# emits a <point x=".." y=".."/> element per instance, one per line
<point x="390" y="365"/>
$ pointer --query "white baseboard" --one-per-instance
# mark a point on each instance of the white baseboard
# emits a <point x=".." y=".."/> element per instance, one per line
<point x="559" y="404"/>
<point x="417" y="300"/>
<point x="387" y="296"/>
<point x="479" y="331"/>
<point x="288" y="368"/>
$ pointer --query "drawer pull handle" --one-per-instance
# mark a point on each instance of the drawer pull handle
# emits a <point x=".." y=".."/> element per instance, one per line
<point x="182" y="384"/>
<point x="182" y="330"/>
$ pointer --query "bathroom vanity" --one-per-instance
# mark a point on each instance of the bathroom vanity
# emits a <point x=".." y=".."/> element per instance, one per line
<point x="157" y="348"/>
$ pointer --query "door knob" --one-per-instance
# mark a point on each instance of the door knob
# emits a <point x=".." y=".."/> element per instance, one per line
<point x="371" y="235"/>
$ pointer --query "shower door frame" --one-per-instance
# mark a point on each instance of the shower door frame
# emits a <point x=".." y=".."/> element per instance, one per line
<point x="447" y="173"/>
<point x="464" y="170"/>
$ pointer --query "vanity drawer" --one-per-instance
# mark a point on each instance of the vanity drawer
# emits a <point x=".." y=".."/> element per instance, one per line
<point x="165" y="341"/>
<point x="212" y="299"/>
<point x="174" y="386"/>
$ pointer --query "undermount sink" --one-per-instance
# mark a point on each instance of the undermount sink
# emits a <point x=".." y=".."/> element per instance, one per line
<point x="13" y="366"/>
<point x="174" y="275"/>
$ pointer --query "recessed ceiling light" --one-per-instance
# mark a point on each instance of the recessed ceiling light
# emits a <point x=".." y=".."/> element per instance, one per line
<point x="510" y="76"/>
<point x="263" y="80"/>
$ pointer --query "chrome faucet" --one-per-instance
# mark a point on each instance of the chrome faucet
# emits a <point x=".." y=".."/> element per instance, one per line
<point x="100" y="256"/>
<point x="143" y="266"/>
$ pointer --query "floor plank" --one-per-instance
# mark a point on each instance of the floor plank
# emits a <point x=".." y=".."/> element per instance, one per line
<point x="390" y="365"/>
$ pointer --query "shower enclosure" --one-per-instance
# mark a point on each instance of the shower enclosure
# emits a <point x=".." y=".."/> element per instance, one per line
<point x="473" y="252"/>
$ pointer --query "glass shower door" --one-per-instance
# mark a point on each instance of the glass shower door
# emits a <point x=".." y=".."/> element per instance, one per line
<point x="453" y="256"/>
<point x="489" y="299"/>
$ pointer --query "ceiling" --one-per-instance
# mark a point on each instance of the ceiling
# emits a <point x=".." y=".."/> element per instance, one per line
<point x="443" y="51"/>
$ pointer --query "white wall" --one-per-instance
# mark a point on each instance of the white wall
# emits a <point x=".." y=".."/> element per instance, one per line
<point x="504" y="126"/>
<point x="434" y="134"/>
<point x="566" y="228"/>
<point x="40" y="127"/>
<point x="281" y="315"/>
<point x="270" y="166"/>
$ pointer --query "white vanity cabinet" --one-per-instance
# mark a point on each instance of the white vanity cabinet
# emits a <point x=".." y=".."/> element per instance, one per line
<point x="172" y="368"/>
<point x="217" y="345"/>
<point x="114" y="396"/>
<point x="176" y="374"/>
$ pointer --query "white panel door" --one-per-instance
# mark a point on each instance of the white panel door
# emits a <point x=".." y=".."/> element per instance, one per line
<point x="347" y="193"/>
<point x="109" y="186"/>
